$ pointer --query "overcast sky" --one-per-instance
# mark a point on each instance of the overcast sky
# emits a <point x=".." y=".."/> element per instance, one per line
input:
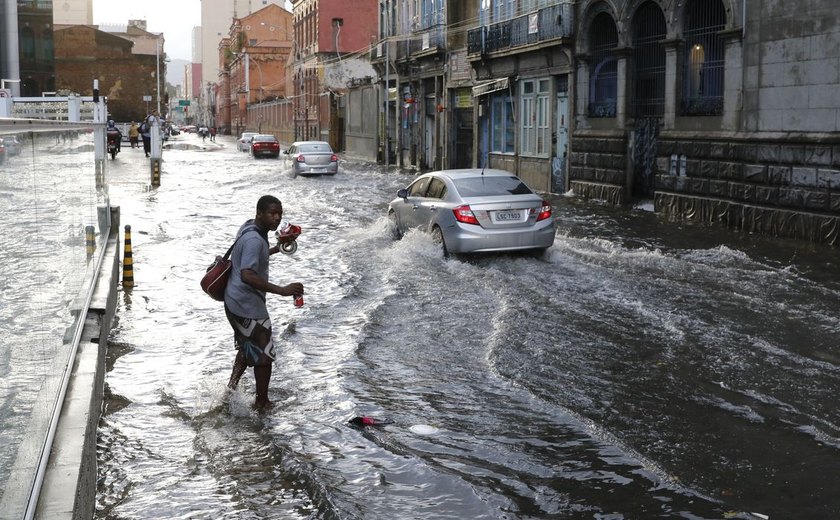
<point x="174" y="18"/>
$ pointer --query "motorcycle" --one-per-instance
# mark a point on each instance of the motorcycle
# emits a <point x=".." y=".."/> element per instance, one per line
<point x="113" y="143"/>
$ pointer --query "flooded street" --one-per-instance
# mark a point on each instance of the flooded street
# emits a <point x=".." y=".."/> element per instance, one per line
<point x="638" y="369"/>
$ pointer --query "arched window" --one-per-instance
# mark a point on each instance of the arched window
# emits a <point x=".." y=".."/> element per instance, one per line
<point x="704" y="60"/>
<point x="649" y="58"/>
<point x="603" y="73"/>
<point x="27" y="43"/>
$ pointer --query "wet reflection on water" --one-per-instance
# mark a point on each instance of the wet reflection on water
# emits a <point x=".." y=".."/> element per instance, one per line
<point x="640" y="368"/>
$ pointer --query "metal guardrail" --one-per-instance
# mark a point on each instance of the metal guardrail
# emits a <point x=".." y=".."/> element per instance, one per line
<point x="56" y="197"/>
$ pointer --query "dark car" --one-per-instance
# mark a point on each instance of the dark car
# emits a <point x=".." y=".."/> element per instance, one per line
<point x="265" y="145"/>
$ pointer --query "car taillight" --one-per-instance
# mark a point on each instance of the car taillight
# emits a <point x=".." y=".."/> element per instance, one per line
<point x="334" y="158"/>
<point x="545" y="211"/>
<point x="465" y="215"/>
<point x="301" y="158"/>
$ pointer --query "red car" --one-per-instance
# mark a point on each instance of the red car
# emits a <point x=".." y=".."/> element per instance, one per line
<point x="265" y="145"/>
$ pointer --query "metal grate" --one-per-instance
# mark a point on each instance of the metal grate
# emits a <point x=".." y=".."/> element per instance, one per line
<point x="704" y="58"/>
<point x="649" y="57"/>
<point x="603" y="71"/>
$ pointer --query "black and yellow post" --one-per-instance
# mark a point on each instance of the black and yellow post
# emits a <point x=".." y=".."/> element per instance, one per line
<point x="90" y="241"/>
<point x="155" y="172"/>
<point x="128" y="262"/>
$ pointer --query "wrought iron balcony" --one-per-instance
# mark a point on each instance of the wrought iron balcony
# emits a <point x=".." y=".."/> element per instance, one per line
<point x="550" y="23"/>
<point x="429" y="40"/>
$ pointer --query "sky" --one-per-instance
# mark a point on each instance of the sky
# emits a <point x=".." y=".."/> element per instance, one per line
<point x="174" y="18"/>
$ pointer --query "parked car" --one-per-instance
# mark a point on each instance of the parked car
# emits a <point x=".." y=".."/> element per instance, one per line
<point x="312" y="158"/>
<point x="2" y="152"/>
<point x="474" y="210"/>
<point x="243" y="144"/>
<point x="12" y="145"/>
<point x="265" y="145"/>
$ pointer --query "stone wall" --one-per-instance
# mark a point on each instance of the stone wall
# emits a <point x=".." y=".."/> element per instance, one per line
<point x="784" y="188"/>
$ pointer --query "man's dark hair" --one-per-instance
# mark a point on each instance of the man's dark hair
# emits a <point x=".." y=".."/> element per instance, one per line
<point x="266" y="201"/>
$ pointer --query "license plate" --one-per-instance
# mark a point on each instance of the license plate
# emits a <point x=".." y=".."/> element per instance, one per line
<point x="507" y="216"/>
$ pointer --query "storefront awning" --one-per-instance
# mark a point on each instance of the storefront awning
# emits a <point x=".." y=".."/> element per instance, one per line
<point x="490" y="86"/>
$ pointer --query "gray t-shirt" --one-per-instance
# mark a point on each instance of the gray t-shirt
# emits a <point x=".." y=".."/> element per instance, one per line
<point x="250" y="252"/>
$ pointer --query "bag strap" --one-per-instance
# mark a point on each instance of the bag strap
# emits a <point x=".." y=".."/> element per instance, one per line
<point x="230" y="249"/>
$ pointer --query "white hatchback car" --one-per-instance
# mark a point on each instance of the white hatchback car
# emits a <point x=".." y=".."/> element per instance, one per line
<point x="243" y="144"/>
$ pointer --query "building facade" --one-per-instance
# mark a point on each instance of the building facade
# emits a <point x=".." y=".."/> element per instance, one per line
<point x="718" y="110"/>
<point x="253" y="66"/>
<point x="216" y="17"/>
<point x="83" y="53"/>
<point x="72" y="12"/>
<point x="331" y="53"/>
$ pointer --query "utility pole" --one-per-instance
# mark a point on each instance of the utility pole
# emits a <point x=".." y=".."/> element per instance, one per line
<point x="157" y="74"/>
<point x="387" y="94"/>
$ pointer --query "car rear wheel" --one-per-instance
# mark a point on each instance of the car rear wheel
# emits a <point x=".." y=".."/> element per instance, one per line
<point x="437" y="238"/>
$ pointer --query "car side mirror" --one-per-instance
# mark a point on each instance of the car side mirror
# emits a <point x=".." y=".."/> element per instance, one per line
<point x="403" y="193"/>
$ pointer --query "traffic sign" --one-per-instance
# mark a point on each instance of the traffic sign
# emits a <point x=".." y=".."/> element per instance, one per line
<point x="184" y="102"/>
<point x="147" y="98"/>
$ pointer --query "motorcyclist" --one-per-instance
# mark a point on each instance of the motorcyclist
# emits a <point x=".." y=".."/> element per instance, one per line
<point x="114" y="133"/>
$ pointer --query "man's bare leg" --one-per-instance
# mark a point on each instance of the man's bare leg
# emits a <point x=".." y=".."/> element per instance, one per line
<point x="262" y="374"/>
<point x="239" y="367"/>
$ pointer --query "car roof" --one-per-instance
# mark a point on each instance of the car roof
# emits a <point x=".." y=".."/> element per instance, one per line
<point x="470" y="172"/>
<point x="298" y="143"/>
<point x="265" y="136"/>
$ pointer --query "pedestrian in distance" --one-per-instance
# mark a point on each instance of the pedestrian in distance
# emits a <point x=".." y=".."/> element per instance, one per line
<point x="213" y="134"/>
<point x="146" y="134"/>
<point x="133" y="134"/>
<point x="245" y="305"/>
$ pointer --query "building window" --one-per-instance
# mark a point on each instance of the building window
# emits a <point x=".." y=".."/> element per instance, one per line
<point x="503" y="128"/>
<point x="27" y="43"/>
<point x="534" y="109"/>
<point x="603" y="71"/>
<point x="649" y="58"/>
<point x="704" y="60"/>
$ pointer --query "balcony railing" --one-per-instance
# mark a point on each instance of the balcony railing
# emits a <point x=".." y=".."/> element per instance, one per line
<point x="428" y="40"/>
<point x="539" y="26"/>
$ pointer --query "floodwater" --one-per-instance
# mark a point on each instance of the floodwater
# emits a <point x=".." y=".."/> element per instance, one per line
<point x="638" y="369"/>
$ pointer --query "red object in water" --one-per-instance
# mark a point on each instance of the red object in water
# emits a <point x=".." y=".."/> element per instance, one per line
<point x="363" y="421"/>
<point x="299" y="300"/>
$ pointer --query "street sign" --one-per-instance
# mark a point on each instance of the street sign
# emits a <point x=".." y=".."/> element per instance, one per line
<point x="147" y="98"/>
<point x="184" y="102"/>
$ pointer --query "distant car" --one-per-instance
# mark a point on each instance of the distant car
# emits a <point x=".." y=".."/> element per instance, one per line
<point x="265" y="145"/>
<point x="189" y="129"/>
<point x="2" y="152"/>
<point x="12" y="145"/>
<point x="312" y="158"/>
<point x="474" y="210"/>
<point x="243" y="144"/>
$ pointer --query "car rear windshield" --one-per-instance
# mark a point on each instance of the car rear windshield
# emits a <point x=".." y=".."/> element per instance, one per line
<point x="315" y="148"/>
<point x="490" y="186"/>
<point x="265" y="138"/>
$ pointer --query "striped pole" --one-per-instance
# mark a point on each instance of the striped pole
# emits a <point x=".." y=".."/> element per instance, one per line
<point x="128" y="263"/>
<point x="90" y="241"/>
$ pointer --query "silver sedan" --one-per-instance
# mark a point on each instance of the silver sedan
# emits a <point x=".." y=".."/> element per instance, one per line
<point x="474" y="210"/>
<point x="312" y="158"/>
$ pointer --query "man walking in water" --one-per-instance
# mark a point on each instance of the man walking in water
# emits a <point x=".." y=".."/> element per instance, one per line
<point x="245" y="306"/>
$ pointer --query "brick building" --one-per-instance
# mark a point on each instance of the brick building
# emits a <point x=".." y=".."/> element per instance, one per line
<point x="252" y="67"/>
<point x="84" y="53"/>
